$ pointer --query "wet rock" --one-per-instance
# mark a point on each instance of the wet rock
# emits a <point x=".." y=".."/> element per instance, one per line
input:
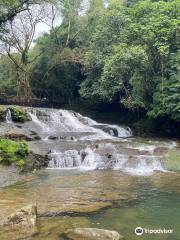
<point x="73" y="208"/>
<point x="108" y="129"/>
<point x="62" y="137"/>
<point x="37" y="137"/>
<point x="35" y="161"/>
<point x="16" y="135"/>
<point x="92" y="234"/>
<point x="53" y="137"/>
<point x="26" y="216"/>
<point x="34" y="135"/>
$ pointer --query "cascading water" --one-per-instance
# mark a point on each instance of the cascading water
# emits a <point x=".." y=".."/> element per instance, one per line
<point x="68" y="121"/>
<point x="8" y="116"/>
<point x="97" y="146"/>
<point x="84" y="159"/>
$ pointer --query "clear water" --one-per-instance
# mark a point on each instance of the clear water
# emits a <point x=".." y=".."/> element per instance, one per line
<point x="160" y="210"/>
<point x="150" y="202"/>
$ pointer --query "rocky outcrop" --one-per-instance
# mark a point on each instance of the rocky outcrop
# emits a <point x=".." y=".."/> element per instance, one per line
<point x="19" y="135"/>
<point x="35" y="162"/>
<point x="14" y="135"/>
<point x="26" y="216"/>
<point x="91" y="234"/>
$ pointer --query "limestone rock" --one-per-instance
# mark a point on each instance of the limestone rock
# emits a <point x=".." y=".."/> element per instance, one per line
<point x="26" y="216"/>
<point x="92" y="234"/>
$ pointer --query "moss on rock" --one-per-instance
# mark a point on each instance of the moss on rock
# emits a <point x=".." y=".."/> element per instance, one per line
<point x="19" y="115"/>
<point x="12" y="152"/>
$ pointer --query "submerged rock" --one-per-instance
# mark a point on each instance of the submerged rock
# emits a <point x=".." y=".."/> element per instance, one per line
<point x="20" y="225"/>
<point x="26" y="216"/>
<point x="92" y="234"/>
<point x="172" y="160"/>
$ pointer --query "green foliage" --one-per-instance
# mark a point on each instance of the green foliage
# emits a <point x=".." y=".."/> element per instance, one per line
<point x="167" y="101"/>
<point x="122" y="69"/>
<point x="8" y="76"/>
<point x="19" y="115"/>
<point x="2" y="113"/>
<point x="105" y="36"/>
<point x="12" y="152"/>
<point x="130" y="61"/>
<point x="127" y="54"/>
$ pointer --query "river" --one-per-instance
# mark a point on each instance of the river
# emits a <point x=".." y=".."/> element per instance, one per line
<point x="99" y="175"/>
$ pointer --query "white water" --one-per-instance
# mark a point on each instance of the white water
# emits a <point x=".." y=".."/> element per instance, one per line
<point x="84" y="159"/>
<point x="95" y="152"/>
<point x="8" y="116"/>
<point x="68" y="121"/>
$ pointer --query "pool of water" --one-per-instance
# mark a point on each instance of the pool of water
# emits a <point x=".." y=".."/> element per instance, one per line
<point x="158" y="211"/>
<point x="101" y="199"/>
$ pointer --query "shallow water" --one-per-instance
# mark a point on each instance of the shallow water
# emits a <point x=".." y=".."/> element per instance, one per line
<point x="101" y="199"/>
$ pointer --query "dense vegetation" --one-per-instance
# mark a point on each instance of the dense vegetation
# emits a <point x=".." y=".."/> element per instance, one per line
<point x="12" y="152"/>
<point x="126" y="55"/>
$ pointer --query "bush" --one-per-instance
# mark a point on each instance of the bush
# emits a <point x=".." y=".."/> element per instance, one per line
<point x="19" y="115"/>
<point x="12" y="152"/>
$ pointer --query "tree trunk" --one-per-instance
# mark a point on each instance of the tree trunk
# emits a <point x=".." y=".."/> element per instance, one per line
<point x="24" y="93"/>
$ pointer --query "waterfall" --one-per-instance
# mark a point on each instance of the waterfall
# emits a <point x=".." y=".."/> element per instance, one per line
<point x="51" y="121"/>
<point x="8" y="116"/>
<point x="105" y="157"/>
<point x="84" y="159"/>
<point x="79" y="142"/>
<point x="44" y="127"/>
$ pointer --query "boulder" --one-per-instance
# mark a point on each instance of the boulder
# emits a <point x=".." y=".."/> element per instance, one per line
<point x="25" y="216"/>
<point x="91" y="234"/>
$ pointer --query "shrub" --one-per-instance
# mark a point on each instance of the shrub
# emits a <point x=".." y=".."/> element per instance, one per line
<point x="19" y="115"/>
<point x="12" y="152"/>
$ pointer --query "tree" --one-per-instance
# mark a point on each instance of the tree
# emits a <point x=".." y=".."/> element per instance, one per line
<point x="10" y="8"/>
<point x="169" y="103"/>
<point x="104" y="38"/>
<point x="113" y="75"/>
<point x="126" y="66"/>
<point x="17" y="42"/>
<point x="8" y="77"/>
<point x="57" y="72"/>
